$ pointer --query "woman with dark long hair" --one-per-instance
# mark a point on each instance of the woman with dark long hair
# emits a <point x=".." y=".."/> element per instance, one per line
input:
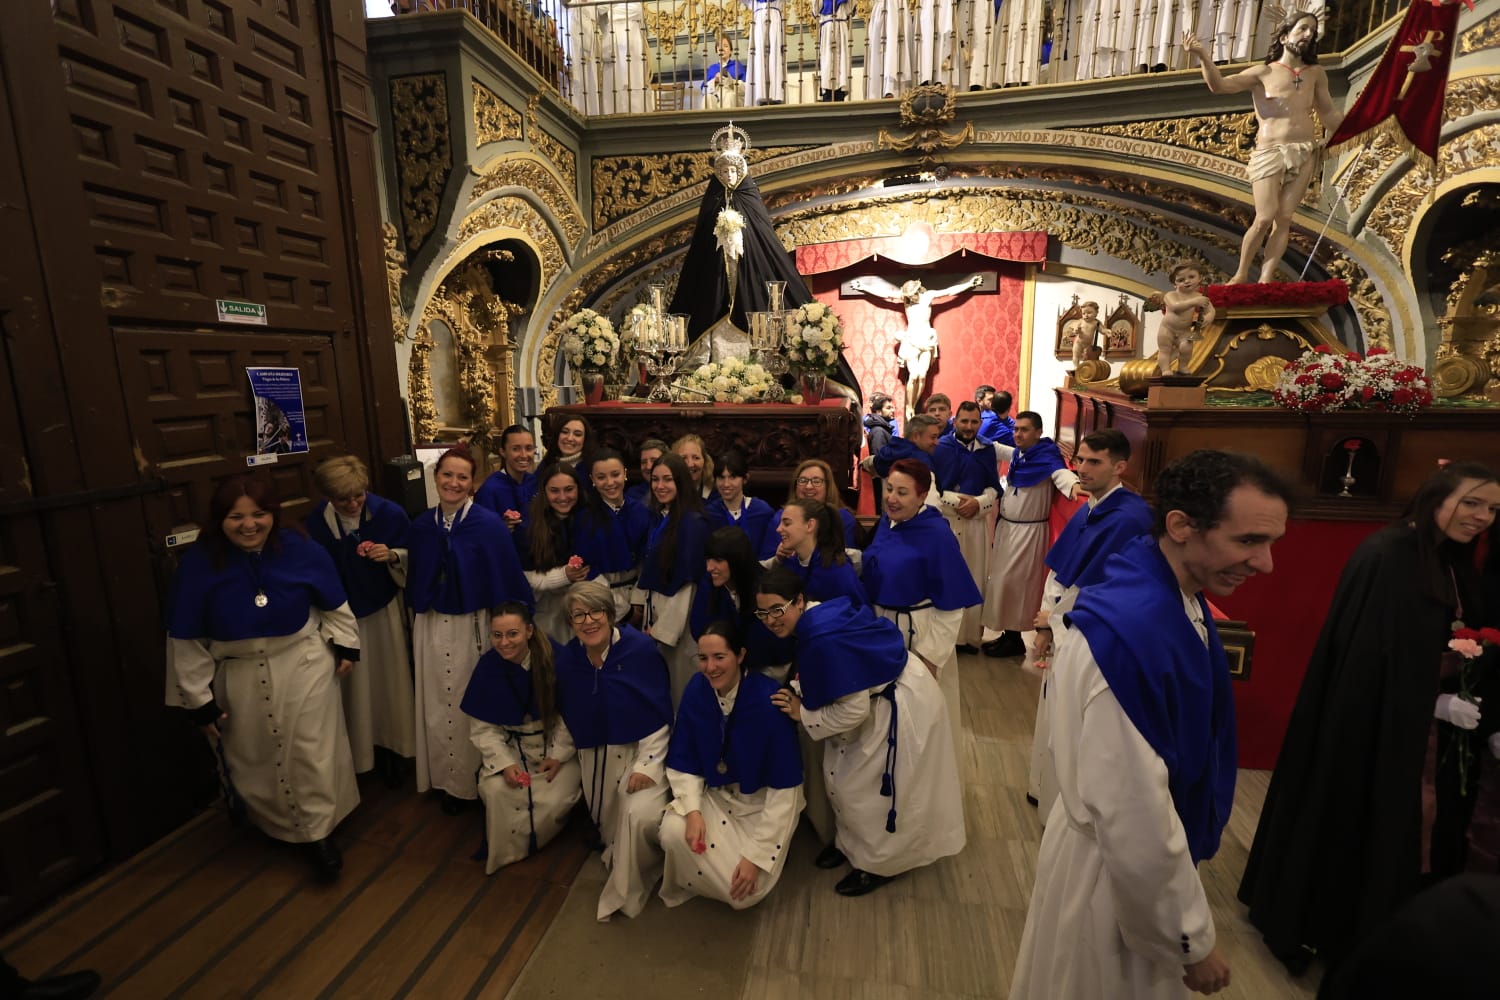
<point x="575" y="444"/>
<point x="529" y="779"/>
<point x="463" y="563"/>
<point x="630" y="517"/>
<point x="568" y="537"/>
<point x="730" y="506"/>
<point x="727" y="593"/>
<point x="260" y="633"/>
<point x="736" y="775"/>
<point x="510" y="489"/>
<point x="671" y="565"/>
<point x="812" y="546"/>
<point x="1350" y="768"/>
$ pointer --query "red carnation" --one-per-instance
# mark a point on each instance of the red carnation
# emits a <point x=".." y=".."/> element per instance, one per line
<point x="1468" y="633"/>
<point x="1306" y="378"/>
<point x="1353" y="356"/>
<point x="1377" y="351"/>
<point x="1366" y="393"/>
<point x="1490" y="635"/>
<point x="1401" y="397"/>
<point x="1331" y="380"/>
<point x="1323" y="349"/>
<point x="1404" y="376"/>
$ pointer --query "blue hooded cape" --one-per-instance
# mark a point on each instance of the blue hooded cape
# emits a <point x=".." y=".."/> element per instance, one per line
<point x="1093" y="535"/>
<point x="757" y="742"/>
<point x="1031" y="466"/>
<point x="626" y="700"/>
<point x="843" y="648"/>
<point x="824" y="583"/>
<point x="912" y="562"/>
<point x="501" y="691"/>
<point x="772" y="540"/>
<point x="592" y="533"/>
<point x="500" y="493"/>
<point x="458" y="572"/>
<point x="755" y="521"/>
<point x="368" y="584"/>
<point x="762" y="648"/>
<point x="968" y="472"/>
<point x="218" y="602"/>
<point x="898" y="449"/>
<point x="1174" y="690"/>
<point x="687" y="555"/>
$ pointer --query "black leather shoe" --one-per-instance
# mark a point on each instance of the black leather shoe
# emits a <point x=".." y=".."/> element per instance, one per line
<point x="452" y="805"/>
<point x="830" y="857"/>
<point x="326" y="857"/>
<point x="1009" y="644"/>
<point x="69" y="986"/>
<point x="964" y="647"/>
<point x="858" y="883"/>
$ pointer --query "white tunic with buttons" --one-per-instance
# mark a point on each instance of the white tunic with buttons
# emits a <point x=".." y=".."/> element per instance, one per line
<point x="1118" y="908"/>
<point x="627" y="821"/>
<point x="284" y="743"/>
<point x="446" y="647"/>
<point x="513" y="815"/>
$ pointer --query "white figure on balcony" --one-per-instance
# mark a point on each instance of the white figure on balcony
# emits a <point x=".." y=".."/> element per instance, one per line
<point x="888" y="62"/>
<point x="834" y="60"/>
<point x="766" y="77"/>
<point x="623" y="54"/>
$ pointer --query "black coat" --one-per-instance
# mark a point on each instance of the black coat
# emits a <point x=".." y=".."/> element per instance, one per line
<point x="1338" y="848"/>
<point x="879" y="430"/>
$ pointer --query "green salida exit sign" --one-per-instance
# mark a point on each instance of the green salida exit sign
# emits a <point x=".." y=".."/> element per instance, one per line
<point x="231" y="311"/>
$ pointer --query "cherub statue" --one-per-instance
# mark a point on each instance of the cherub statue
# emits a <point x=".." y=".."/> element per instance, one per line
<point x="1185" y="312"/>
<point x="918" y="346"/>
<point x="1085" y="331"/>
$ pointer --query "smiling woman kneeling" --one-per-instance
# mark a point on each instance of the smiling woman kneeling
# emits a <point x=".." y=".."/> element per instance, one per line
<point x="736" y="775"/>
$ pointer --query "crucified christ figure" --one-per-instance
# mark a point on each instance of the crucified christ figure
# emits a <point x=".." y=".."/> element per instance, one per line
<point x="918" y="346"/>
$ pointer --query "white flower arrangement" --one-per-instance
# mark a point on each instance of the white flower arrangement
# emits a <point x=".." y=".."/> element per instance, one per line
<point x="589" y="340"/>
<point x="732" y="381"/>
<point x="729" y="230"/>
<point x="814" y="338"/>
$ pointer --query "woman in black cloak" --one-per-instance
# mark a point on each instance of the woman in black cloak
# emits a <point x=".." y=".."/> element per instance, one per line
<point x="1339" y="842"/>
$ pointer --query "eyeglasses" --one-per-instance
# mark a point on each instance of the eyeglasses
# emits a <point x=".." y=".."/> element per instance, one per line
<point x="808" y="481"/>
<point x="776" y="612"/>
<point x="579" y="617"/>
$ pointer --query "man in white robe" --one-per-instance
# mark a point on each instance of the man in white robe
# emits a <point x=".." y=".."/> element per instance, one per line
<point x="1018" y="567"/>
<point x="1118" y="909"/>
<point x="968" y="503"/>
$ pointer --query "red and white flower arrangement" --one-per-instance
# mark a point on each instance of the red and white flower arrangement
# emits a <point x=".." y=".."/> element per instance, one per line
<point x="1323" y="380"/>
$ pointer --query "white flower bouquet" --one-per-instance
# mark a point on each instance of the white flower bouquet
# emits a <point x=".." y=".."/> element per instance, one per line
<point x="732" y="381"/>
<point x="729" y="230"/>
<point x="589" y="340"/>
<point x="814" y="338"/>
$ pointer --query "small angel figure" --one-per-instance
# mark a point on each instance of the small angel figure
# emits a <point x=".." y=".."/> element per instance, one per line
<point x="1185" y="312"/>
<point x="1085" y="332"/>
<point x="918" y="346"/>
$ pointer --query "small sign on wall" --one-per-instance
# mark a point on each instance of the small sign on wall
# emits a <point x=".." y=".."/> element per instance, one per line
<point x="231" y="311"/>
<point x="280" y="423"/>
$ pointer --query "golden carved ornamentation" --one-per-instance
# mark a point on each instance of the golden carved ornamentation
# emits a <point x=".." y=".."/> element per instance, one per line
<point x="923" y="110"/>
<point x="1262" y="373"/>
<point x="419" y="397"/>
<point x="1469" y="355"/>
<point x="626" y="184"/>
<point x="1369" y="304"/>
<point x="395" y="273"/>
<point x="697" y="18"/>
<point x="511" y="212"/>
<point x="494" y="120"/>
<point x="424" y="151"/>
<point x="1392" y="218"/>
<point x="1382" y="151"/>
<point x="1481" y="36"/>
<point x="479" y="321"/>
<point x="1231" y="136"/>
<point x="536" y="178"/>
<point x="551" y="148"/>
<point x="1470" y="96"/>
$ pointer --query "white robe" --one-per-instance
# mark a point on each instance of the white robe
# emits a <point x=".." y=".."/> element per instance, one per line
<point x="379" y="704"/>
<point x="757" y="827"/>
<point x="1107" y="38"/>
<point x="585" y="41"/>
<point x="834" y="59"/>
<point x="1016" y="44"/>
<point x="1227" y="27"/>
<point x="932" y="633"/>
<point x="974" y="536"/>
<point x="284" y="742"/>
<point x="935" y="49"/>
<point x="928" y="796"/>
<point x="1118" y="908"/>
<point x="667" y="623"/>
<point x="623" y="53"/>
<point x="1018" y="567"/>
<point x="765" y="63"/>
<point x="446" y="648"/>
<point x="549" y="588"/>
<point x="511" y="815"/>
<point x="627" y="823"/>
<point x="973" y="34"/>
<point x="889" y="60"/>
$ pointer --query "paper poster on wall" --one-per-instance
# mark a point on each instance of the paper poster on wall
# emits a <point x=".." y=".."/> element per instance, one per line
<point x="280" y="426"/>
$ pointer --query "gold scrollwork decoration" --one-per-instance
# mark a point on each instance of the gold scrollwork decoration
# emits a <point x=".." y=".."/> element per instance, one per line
<point x="1470" y="96"/>
<point x="424" y="152"/>
<point x="1231" y="136"/>
<point x="626" y="184"/>
<point x="1262" y="373"/>
<point x="479" y="321"/>
<point x="395" y="274"/>
<point x="511" y="212"/>
<point x="523" y="172"/>
<point x="1484" y="35"/>
<point x="1391" y="219"/>
<point x="1369" y="305"/>
<point x="494" y="120"/>
<point x="419" y="395"/>
<point x="551" y="148"/>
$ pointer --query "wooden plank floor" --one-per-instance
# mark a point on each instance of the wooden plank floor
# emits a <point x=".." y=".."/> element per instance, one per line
<point x="217" y="912"/>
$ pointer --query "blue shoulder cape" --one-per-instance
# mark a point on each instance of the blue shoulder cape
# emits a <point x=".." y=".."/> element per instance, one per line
<point x="601" y="542"/>
<point x="1093" y="535"/>
<point x="772" y="540"/>
<point x="757" y="742"/>
<point x="755" y="521"/>
<point x="501" y="692"/>
<point x="218" y="602"/>
<point x="1031" y="466"/>
<point x="898" y="449"/>
<point x="687" y="555"/>
<point x="459" y="572"/>
<point x="368" y="584"/>
<point x="626" y="700"/>
<point x="500" y="493"/>
<point x="913" y="562"/>
<point x="762" y="648"/>
<point x="823" y="583"/>
<point x="1002" y="431"/>
<point x="968" y="472"/>
<point x="843" y="648"/>
<point x="1174" y="690"/>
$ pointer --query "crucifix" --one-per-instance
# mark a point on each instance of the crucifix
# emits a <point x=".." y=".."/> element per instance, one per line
<point x="1421" y="59"/>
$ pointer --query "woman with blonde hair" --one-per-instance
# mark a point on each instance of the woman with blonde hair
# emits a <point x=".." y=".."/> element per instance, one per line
<point x="529" y="779"/>
<point x="813" y="480"/>
<point x="700" y="464"/>
<point x="366" y="536"/>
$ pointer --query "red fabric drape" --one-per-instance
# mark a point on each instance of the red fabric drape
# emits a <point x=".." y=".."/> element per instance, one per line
<point x="918" y="246"/>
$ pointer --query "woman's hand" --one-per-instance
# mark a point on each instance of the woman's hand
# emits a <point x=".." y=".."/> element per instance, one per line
<point x="787" y="701"/>
<point x="637" y="782"/>
<point x="693" y="832"/>
<point x="344" y="669"/>
<point x="515" y="776"/>
<point x="743" y="881"/>
<point x="211" y="729"/>
<point x="576" y="573"/>
<point x="549" y="768"/>
<point x="380" y="552"/>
